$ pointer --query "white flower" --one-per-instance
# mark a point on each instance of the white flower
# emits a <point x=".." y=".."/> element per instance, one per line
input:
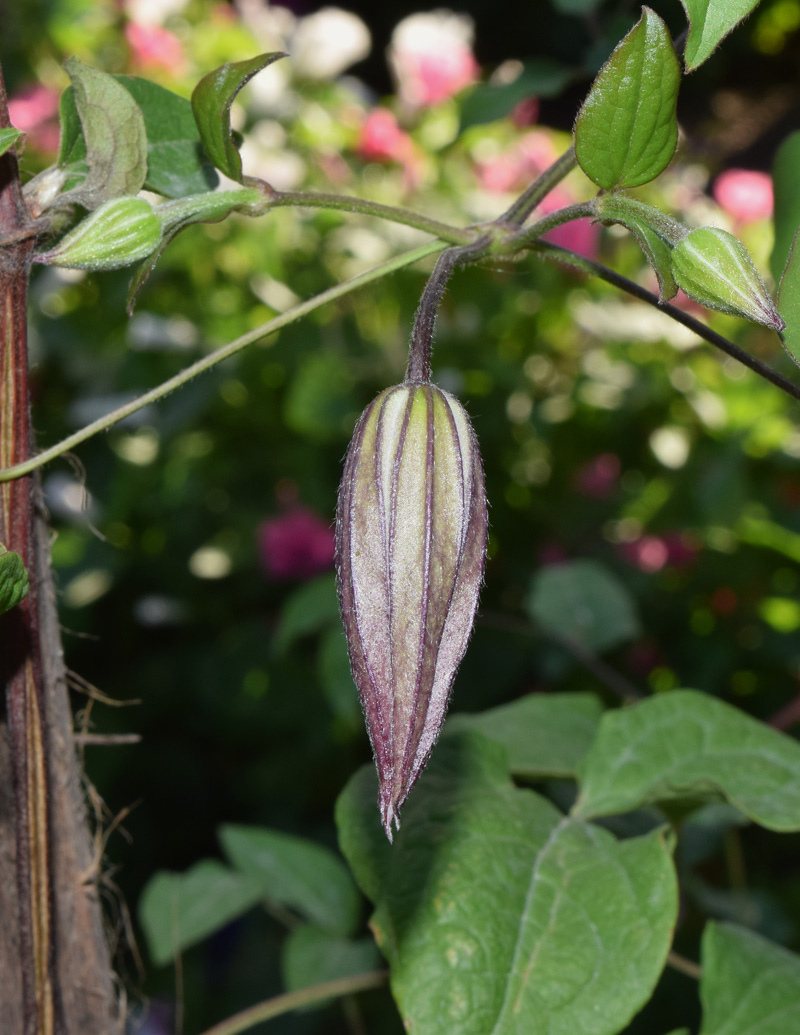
<point x="431" y="56"/>
<point x="328" y="42"/>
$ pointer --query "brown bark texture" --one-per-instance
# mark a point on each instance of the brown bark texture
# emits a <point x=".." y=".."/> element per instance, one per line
<point x="55" y="970"/>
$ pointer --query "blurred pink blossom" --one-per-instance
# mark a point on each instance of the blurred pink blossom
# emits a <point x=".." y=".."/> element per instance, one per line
<point x="579" y="235"/>
<point x="296" y="545"/>
<point x="651" y="553"/>
<point x="598" y="479"/>
<point x="517" y="168"/>
<point x="744" y="193"/>
<point x="34" y="110"/>
<point x="431" y="57"/>
<point x="382" y="140"/>
<point x="154" y="47"/>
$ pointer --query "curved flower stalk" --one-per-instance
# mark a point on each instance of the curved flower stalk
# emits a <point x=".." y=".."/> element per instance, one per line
<point x="410" y="546"/>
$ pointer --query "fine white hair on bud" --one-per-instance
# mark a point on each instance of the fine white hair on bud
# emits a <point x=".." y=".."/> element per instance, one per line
<point x="410" y="547"/>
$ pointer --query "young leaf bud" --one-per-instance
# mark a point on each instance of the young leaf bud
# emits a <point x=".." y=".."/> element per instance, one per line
<point x="715" y="269"/>
<point x="410" y="546"/>
<point x="13" y="579"/>
<point x="120" y="232"/>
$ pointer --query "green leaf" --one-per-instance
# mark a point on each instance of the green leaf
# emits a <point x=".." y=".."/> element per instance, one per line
<point x="715" y="269"/>
<point x="584" y="602"/>
<point x="542" y="77"/>
<point x="114" y="135"/>
<point x="627" y="130"/>
<point x="544" y="734"/>
<point x="333" y="667"/>
<point x="14" y="584"/>
<point x="685" y="745"/>
<point x="176" y="163"/>
<point x="710" y="21"/>
<point x="789" y="301"/>
<point x="177" y="910"/>
<point x="656" y="232"/>
<point x="576" y="7"/>
<point x="291" y="871"/>
<point x="211" y="103"/>
<point x="312" y="607"/>
<point x="786" y="216"/>
<point x="311" y="956"/>
<point x="8" y="137"/>
<point x="750" y="986"/>
<point x="575" y="942"/>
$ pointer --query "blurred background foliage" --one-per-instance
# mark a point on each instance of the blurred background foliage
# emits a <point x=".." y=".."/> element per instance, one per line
<point x="193" y="544"/>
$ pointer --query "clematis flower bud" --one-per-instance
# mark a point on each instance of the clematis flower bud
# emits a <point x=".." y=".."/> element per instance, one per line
<point x="410" y="547"/>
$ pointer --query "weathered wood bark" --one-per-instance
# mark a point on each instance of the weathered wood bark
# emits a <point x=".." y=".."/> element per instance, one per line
<point x="55" y="972"/>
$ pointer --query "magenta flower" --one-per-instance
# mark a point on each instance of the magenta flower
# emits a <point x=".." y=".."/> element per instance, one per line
<point x="744" y="193"/>
<point x="296" y="545"/>
<point x="382" y="140"/>
<point x="598" y="479"/>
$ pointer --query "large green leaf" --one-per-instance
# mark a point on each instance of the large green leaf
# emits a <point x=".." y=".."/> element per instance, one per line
<point x="311" y="955"/>
<point x="294" y="872"/>
<point x="14" y="584"/>
<point x="789" y="301"/>
<point x="584" y="602"/>
<point x="114" y="136"/>
<point x="211" y="103"/>
<point x="627" y="129"/>
<point x="749" y="986"/>
<point x="686" y="745"/>
<point x="497" y="913"/>
<point x="786" y="217"/>
<point x="544" y="734"/>
<point x="177" y="910"/>
<point x="710" y="21"/>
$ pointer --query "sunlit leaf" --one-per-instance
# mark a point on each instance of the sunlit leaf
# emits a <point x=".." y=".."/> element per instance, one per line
<point x="292" y="871"/>
<point x="577" y="939"/>
<point x="750" y="986"/>
<point x="627" y="130"/>
<point x="689" y="746"/>
<point x="211" y="103"/>
<point x="710" y="21"/>
<point x="544" y="734"/>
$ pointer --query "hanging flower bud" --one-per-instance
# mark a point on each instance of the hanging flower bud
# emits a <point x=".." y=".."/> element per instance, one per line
<point x="119" y="233"/>
<point x="410" y="547"/>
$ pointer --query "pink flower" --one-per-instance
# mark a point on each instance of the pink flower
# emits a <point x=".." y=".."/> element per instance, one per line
<point x="296" y="545"/>
<point x="598" y="479"/>
<point x="382" y="140"/>
<point x="579" y="235"/>
<point x="744" y="193"/>
<point x="34" y="110"/>
<point x="651" y="553"/>
<point x="154" y="47"/>
<point x="431" y="57"/>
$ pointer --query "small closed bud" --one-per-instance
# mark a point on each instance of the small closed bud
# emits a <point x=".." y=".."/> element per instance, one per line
<point x="715" y="269"/>
<point x="119" y="233"/>
<point x="410" y="547"/>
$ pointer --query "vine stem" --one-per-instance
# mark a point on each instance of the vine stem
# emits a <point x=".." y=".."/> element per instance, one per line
<point x="419" y="354"/>
<point x="207" y="362"/>
<point x="564" y="257"/>
<point x="518" y="212"/>
<point x="281" y="1004"/>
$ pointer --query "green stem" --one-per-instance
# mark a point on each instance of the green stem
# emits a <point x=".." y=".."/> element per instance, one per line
<point x="539" y="189"/>
<point x="311" y="199"/>
<point x="525" y="238"/>
<point x="207" y="362"/>
<point x="293" y="1000"/>
<point x="564" y="257"/>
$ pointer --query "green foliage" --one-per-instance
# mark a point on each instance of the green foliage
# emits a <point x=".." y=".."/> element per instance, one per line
<point x="789" y="302"/>
<point x="710" y="21"/>
<point x="749" y="985"/>
<point x="584" y="602"/>
<point x="627" y="130"/>
<point x="14" y="583"/>
<point x="583" y="928"/>
<point x="786" y="181"/>
<point x="656" y="234"/>
<point x="312" y="955"/>
<point x="8" y="137"/>
<point x="687" y="745"/>
<point x="211" y="103"/>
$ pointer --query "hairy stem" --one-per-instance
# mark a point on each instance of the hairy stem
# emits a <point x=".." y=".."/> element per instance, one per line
<point x="577" y="262"/>
<point x="207" y="362"/>
<point x="293" y="1000"/>
<point x="517" y="213"/>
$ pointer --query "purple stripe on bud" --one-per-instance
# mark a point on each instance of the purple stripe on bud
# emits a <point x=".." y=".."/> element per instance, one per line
<point x="410" y="547"/>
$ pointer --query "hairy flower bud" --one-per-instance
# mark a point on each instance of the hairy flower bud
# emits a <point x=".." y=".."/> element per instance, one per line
<point x="410" y="547"/>
<point x="120" y="232"/>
